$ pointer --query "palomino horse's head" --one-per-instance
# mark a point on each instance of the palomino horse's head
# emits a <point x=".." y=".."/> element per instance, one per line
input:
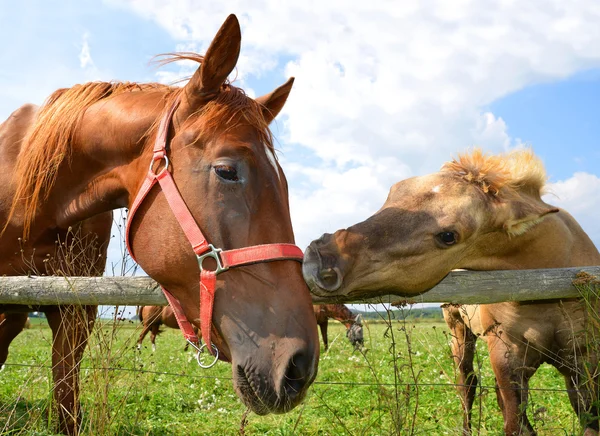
<point x="221" y="156"/>
<point x="473" y="214"/>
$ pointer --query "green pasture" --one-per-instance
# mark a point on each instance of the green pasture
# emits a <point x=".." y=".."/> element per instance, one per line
<point x="400" y="385"/>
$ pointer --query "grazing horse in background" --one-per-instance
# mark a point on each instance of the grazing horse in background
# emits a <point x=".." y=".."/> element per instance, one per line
<point x="181" y="159"/>
<point x="480" y="212"/>
<point x="339" y="312"/>
<point x="152" y="317"/>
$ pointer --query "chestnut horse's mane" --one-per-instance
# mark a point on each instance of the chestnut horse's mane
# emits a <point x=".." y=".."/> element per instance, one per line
<point x="49" y="140"/>
<point x="502" y="175"/>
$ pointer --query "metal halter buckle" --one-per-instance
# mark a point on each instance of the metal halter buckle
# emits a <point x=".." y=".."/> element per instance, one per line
<point x="201" y="350"/>
<point x="214" y="253"/>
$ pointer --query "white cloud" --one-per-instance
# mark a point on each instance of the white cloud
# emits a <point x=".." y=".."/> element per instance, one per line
<point x="580" y="196"/>
<point x="85" y="57"/>
<point x="388" y="89"/>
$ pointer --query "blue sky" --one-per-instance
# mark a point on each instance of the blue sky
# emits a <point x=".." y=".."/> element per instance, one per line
<point x="383" y="91"/>
<point x="561" y="120"/>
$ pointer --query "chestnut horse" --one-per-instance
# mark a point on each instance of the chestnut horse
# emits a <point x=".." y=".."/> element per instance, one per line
<point x="479" y="212"/>
<point x="339" y="312"/>
<point x="152" y="317"/>
<point x="87" y="151"/>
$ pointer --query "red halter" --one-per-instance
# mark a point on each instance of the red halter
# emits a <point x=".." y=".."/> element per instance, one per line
<point x="202" y="249"/>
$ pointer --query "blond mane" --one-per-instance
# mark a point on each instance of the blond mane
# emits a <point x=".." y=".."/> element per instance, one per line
<point x="49" y="141"/>
<point x="501" y="175"/>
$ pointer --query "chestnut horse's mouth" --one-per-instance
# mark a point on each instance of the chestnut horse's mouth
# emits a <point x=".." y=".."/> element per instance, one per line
<point x="254" y="395"/>
<point x="261" y="395"/>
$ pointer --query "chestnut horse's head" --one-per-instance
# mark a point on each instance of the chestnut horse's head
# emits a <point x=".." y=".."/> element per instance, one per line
<point x="221" y="157"/>
<point x="479" y="212"/>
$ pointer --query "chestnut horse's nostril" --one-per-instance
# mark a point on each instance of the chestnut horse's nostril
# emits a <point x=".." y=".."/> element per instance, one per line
<point x="295" y="377"/>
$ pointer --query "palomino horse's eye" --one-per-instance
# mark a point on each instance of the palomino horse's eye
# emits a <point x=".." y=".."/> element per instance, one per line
<point x="447" y="238"/>
<point x="227" y="172"/>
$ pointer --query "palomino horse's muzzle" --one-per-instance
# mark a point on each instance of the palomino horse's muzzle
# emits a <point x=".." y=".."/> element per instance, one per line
<point x="321" y="271"/>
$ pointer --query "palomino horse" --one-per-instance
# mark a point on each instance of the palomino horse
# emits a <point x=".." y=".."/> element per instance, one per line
<point x="152" y="317"/>
<point x="88" y="151"/>
<point x="339" y="312"/>
<point x="481" y="213"/>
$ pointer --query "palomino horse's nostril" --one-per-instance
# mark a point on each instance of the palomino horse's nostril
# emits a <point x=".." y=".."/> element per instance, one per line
<point x="329" y="278"/>
<point x="321" y="271"/>
<point x="324" y="239"/>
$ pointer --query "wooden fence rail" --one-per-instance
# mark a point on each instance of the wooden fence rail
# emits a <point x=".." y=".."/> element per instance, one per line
<point x="466" y="287"/>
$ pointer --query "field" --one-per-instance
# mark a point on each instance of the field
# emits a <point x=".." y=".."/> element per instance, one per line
<point x="401" y="384"/>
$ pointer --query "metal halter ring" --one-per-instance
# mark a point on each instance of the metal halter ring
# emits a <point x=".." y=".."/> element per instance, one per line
<point x="213" y="363"/>
<point x="200" y="350"/>
<point x="153" y="161"/>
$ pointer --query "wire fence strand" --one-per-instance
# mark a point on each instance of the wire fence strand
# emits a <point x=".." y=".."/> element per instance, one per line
<point x="316" y="382"/>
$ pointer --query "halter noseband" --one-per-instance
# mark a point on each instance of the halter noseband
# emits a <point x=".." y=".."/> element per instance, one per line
<point x="225" y="259"/>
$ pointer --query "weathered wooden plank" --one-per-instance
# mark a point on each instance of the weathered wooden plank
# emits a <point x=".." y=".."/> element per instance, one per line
<point x="466" y="287"/>
<point x="81" y="290"/>
<point x="483" y="287"/>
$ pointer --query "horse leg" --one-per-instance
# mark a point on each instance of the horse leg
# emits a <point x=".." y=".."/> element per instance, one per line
<point x="323" y="327"/>
<point x="463" y="353"/>
<point x="153" y="332"/>
<point x="512" y="383"/>
<point x="584" y="398"/>
<point x="198" y="335"/>
<point x="11" y="324"/>
<point x="145" y="331"/>
<point x="71" y="326"/>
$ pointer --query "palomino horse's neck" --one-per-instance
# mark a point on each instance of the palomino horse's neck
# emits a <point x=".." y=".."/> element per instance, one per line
<point x="559" y="236"/>
<point x="109" y="158"/>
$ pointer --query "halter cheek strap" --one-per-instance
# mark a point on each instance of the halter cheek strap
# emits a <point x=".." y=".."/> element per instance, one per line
<point x="225" y="259"/>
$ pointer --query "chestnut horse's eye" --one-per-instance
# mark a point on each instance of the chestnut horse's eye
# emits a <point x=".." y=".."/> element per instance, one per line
<point x="227" y="172"/>
<point x="447" y="238"/>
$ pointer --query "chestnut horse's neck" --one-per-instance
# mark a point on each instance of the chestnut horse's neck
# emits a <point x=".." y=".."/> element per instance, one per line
<point x="105" y="163"/>
<point x="340" y="313"/>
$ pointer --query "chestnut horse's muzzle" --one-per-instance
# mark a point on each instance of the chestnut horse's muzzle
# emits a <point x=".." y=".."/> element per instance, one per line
<point x="285" y="389"/>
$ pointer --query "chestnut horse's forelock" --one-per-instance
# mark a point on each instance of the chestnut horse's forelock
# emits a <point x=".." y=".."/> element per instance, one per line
<point x="500" y="175"/>
<point x="50" y="139"/>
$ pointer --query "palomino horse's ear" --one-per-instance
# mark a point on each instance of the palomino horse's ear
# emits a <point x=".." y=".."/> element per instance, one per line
<point x="519" y="215"/>
<point x="273" y="102"/>
<point x="219" y="61"/>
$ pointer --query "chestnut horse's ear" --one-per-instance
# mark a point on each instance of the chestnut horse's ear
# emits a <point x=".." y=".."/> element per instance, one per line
<point x="273" y="102"/>
<point x="517" y="216"/>
<point x="219" y="61"/>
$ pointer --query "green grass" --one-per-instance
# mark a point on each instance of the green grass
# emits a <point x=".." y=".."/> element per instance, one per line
<point x="353" y="394"/>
